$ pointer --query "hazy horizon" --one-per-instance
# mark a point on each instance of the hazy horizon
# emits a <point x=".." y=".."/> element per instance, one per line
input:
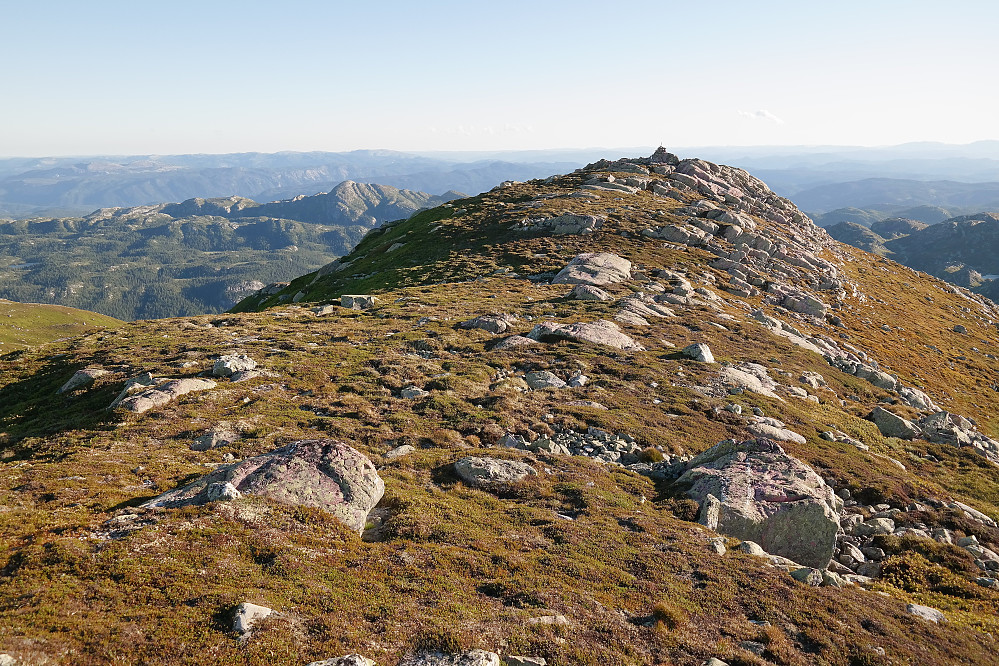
<point x="117" y="78"/>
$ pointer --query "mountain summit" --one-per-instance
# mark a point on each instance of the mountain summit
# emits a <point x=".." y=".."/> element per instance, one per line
<point x="642" y="413"/>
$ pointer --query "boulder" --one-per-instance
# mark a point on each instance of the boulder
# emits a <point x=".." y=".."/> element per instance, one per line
<point x="512" y="342"/>
<point x="892" y="425"/>
<point x="228" y="365"/>
<point x="163" y="394"/>
<point x="249" y="616"/>
<point x="320" y="473"/>
<point x="771" y="428"/>
<point x="82" y="379"/>
<point x="413" y="392"/>
<point x="748" y="376"/>
<point x="542" y="379"/>
<point x="594" y="268"/>
<point x="496" y="324"/>
<point x="471" y="658"/>
<point x="358" y="301"/>
<point x="220" y="435"/>
<point x="925" y="612"/>
<point x="699" y="352"/>
<point x="346" y="660"/>
<point x="768" y="497"/>
<point x="135" y="385"/>
<point x="587" y="292"/>
<point x="601" y="332"/>
<point x="492" y="473"/>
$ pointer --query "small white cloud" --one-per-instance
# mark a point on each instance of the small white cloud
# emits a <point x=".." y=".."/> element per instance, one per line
<point x="762" y="114"/>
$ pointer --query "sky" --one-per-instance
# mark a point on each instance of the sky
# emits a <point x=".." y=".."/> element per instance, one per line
<point x="157" y="77"/>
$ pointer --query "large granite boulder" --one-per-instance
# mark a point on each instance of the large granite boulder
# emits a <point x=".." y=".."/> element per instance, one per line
<point x="83" y="379"/>
<point x="320" y="473"/>
<point x="755" y="491"/>
<point x="492" y="473"/>
<point x="162" y="394"/>
<point x="601" y="332"/>
<point x="595" y="268"/>
<point x="893" y="425"/>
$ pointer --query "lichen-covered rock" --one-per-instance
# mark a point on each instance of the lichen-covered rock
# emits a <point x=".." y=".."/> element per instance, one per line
<point x="542" y="379"/>
<point x="699" y="352"/>
<point x="228" y="365"/>
<point x="926" y="612"/>
<point x="893" y="425"/>
<point x="163" y="394"/>
<point x="601" y="332"/>
<point x="471" y="658"/>
<point x="248" y="616"/>
<point x="346" y="660"/>
<point x="587" y="292"/>
<point x="594" y="268"/>
<point x="492" y="473"/>
<point x="498" y="323"/>
<point x="320" y="473"/>
<point x="358" y="301"/>
<point x="83" y="378"/>
<point x="769" y="497"/>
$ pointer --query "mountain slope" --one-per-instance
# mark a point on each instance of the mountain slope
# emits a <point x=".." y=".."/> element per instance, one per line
<point x="479" y="345"/>
<point x="194" y="257"/>
<point x="24" y="325"/>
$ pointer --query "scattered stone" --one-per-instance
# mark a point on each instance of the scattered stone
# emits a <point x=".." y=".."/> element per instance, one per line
<point x="564" y="224"/>
<point x="495" y="324"/>
<point x="926" y="613"/>
<point x="320" y="473"/>
<point x="492" y="473"/>
<point x="358" y="301"/>
<point x="768" y="497"/>
<point x="83" y="378"/>
<point x="226" y="366"/>
<point x="219" y="436"/>
<point x="600" y="332"/>
<point x="399" y="452"/>
<point x="892" y="425"/>
<point x="594" y="268"/>
<point x="771" y="428"/>
<point x="413" y="392"/>
<point x="699" y="352"/>
<point x="472" y="658"/>
<point x="960" y="329"/>
<point x="248" y="616"/>
<point x="542" y="379"/>
<point x="163" y="394"/>
<point x="346" y="660"/>
<point x="752" y="548"/>
<point x="714" y="662"/>
<point x="525" y="661"/>
<point x="808" y="576"/>
<point x="512" y="342"/>
<point x="587" y="292"/>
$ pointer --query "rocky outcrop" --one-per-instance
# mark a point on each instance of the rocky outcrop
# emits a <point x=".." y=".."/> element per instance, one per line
<point x="562" y="225"/>
<point x="163" y="393"/>
<point x="248" y="616"/>
<point x="587" y="292"/>
<point x="82" y="379"/>
<point x="594" y="268"/>
<point x="600" y="332"/>
<point x="492" y="473"/>
<point x="753" y="490"/>
<point x="698" y="352"/>
<point x="495" y="323"/>
<point x="358" y="301"/>
<point x="230" y="364"/>
<point x="893" y="425"/>
<point x="955" y="430"/>
<point x="471" y="658"/>
<point x="320" y="473"/>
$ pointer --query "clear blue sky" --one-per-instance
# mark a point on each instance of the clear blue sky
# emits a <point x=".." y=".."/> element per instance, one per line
<point x="144" y="76"/>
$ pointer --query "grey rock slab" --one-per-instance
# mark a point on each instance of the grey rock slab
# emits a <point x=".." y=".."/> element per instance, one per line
<point x="587" y="292"/>
<point x="471" y="658"/>
<point x="492" y="473"/>
<point x="769" y="497"/>
<point x="399" y="452"/>
<point x="925" y="612"/>
<point x="750" y="376"/>
<point x="229" y="364"/>
<point x="346" y="660"/>
<point x="699" y="352"/>
<point x="358" y="301"/>
<point x="413" y="392"/>
<point x="594" y="268"/>
<point x="773" y="429"/>
<point x="512" y="342"/>
<point x="218" y="436"/>
<point x="495" y="323"/>
<point x="164" y="393"/>
<point x="320" y="473"/>
<point x="82" y="379"/>
<point x="513" y="660"/>
<point x="892" y="425"/>
<point x="248" y="616"/>
<point x="600" y="332"/>
<point x="135" y="385"/>
<point x="542" y="379"/>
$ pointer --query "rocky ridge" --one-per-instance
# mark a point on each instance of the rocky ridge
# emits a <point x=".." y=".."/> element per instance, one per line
<point x="657" y="468"/>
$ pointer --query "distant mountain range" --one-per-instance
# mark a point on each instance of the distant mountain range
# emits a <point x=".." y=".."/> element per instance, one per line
<point x="195" y="257"/>
<point x="75" y="186"/>
<point x="963" y="250"/>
